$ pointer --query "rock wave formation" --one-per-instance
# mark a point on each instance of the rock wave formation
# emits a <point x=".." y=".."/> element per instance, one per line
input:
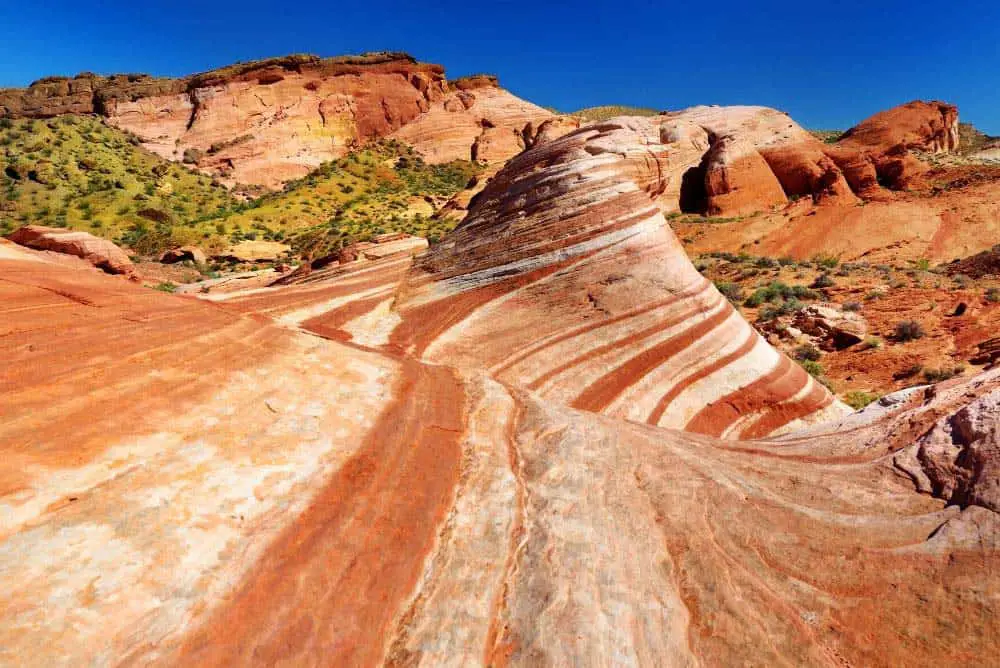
<point x="565" y="278"/>
<point x="461" y="459"/>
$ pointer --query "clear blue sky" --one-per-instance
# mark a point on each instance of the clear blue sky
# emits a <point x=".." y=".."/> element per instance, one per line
<point x="827" y="63"/>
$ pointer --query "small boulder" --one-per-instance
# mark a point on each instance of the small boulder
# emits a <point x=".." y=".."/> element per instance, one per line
<point x="190" y="253"/>
<point x="347" y="254"/>
<point x="99" y="252"/>
<point x="835" y="329"/>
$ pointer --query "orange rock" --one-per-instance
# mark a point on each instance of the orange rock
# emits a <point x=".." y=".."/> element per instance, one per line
<point x="99" y="252"/>
<point x="738" y="180"/>
<point x="923" y="126"/>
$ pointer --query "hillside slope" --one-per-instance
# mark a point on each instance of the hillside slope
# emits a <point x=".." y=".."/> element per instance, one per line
<point x="74" y="171"/>
<point x="77" y="172"/>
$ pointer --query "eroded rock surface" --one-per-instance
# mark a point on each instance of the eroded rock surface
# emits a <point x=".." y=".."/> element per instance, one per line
<point x="426" y="462"/>
<point x="271" y="121"/>
<point x="99" y="252"/>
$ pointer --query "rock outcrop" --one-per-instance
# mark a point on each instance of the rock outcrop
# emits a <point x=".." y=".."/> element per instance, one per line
<point x="478" y="120"/>
<point x="739" y="160"/>
<point x="917" y="125"/>
<point x="267" y="122"/>
<point x="833" y="328"/>
<point x="99" y="252"/>
<point x="182" y="254"/>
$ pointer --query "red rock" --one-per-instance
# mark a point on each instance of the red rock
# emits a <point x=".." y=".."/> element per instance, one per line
<point x="99" y="252"/>
<point x="184" y="253"/>
<point x="918" y="125"/>
<point x="391" y="511"/>
<point x="738" y="181"/>
<point x="477" y="122"/>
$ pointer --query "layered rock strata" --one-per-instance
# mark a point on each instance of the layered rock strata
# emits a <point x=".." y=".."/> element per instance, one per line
<point x="192" y="482"/>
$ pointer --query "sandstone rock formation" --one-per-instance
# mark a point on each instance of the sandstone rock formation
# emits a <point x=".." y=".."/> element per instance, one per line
<point x="197" y="483"/>
<point x="477" y="121"/>
<point x="919" y="125"/>
<point x="184" y="253"/>
<point x="740" y="160"/>
<point x="270" y="121"/>
<point x="566" y="279"/>
<point x="99" y="252"/>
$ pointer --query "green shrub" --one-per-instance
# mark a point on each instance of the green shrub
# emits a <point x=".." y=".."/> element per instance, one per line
<point x="871" y="343"/>
<point x="826" y="261"/>
<point x="807" y="353"/>
<point x="773" y="311"/>
<point x="858" y="399"/>
<point x="851" y="307"/>
<point x="730" y="291"/>
<point x="814" y="369"/>
<point x="779" y="291"/>
<point x="166" y="286"/>
<point x="993" y="295"/>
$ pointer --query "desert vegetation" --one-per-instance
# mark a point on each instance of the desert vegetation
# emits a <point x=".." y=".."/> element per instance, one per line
<point x="76" y="172"/>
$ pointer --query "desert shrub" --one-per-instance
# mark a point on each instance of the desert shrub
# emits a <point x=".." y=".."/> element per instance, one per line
<point x="813" y="368"/>
<point x="908" y="372"/>
<point x="873" y="295"/>
<point x="773" y="311"/>
<point x="824" y="280"/>
<point x="937" y="375"/>
<point x="871" y="343"/>
<point x="779" y="291"/>
<point x="730" y="291"/>
<point x="807" y="352"/>
<point x="961" y="280"/>
<point x="826" y="261"/>
<point x="858" y="399"/>
<point x="993" y="295"/>
<point x="923" y="264"/>
<point x="908" y="330"/>
<point x="851" y="307"/>
<point x="166" y="286"/>
<point x="786" y="261"/>
<point x="765" y="263"/>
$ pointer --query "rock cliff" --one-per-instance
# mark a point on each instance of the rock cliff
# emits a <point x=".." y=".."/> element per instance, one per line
<point x="270" y="121"/>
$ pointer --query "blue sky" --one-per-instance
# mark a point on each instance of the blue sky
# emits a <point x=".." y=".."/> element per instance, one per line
<point x="827" y="63"/>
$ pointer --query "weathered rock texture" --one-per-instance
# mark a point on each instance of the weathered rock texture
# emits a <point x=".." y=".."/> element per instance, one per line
<point x="196" y="483"/>
<point x="741" y="160"/>
<point x="924" y="126"/>
<point x="566" y="279"/>
<point x="270" y="121"/>
<point x="99" y="252"/>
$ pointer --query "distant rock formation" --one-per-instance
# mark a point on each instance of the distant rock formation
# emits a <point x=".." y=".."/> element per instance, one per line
<point x="270" y="121"/>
